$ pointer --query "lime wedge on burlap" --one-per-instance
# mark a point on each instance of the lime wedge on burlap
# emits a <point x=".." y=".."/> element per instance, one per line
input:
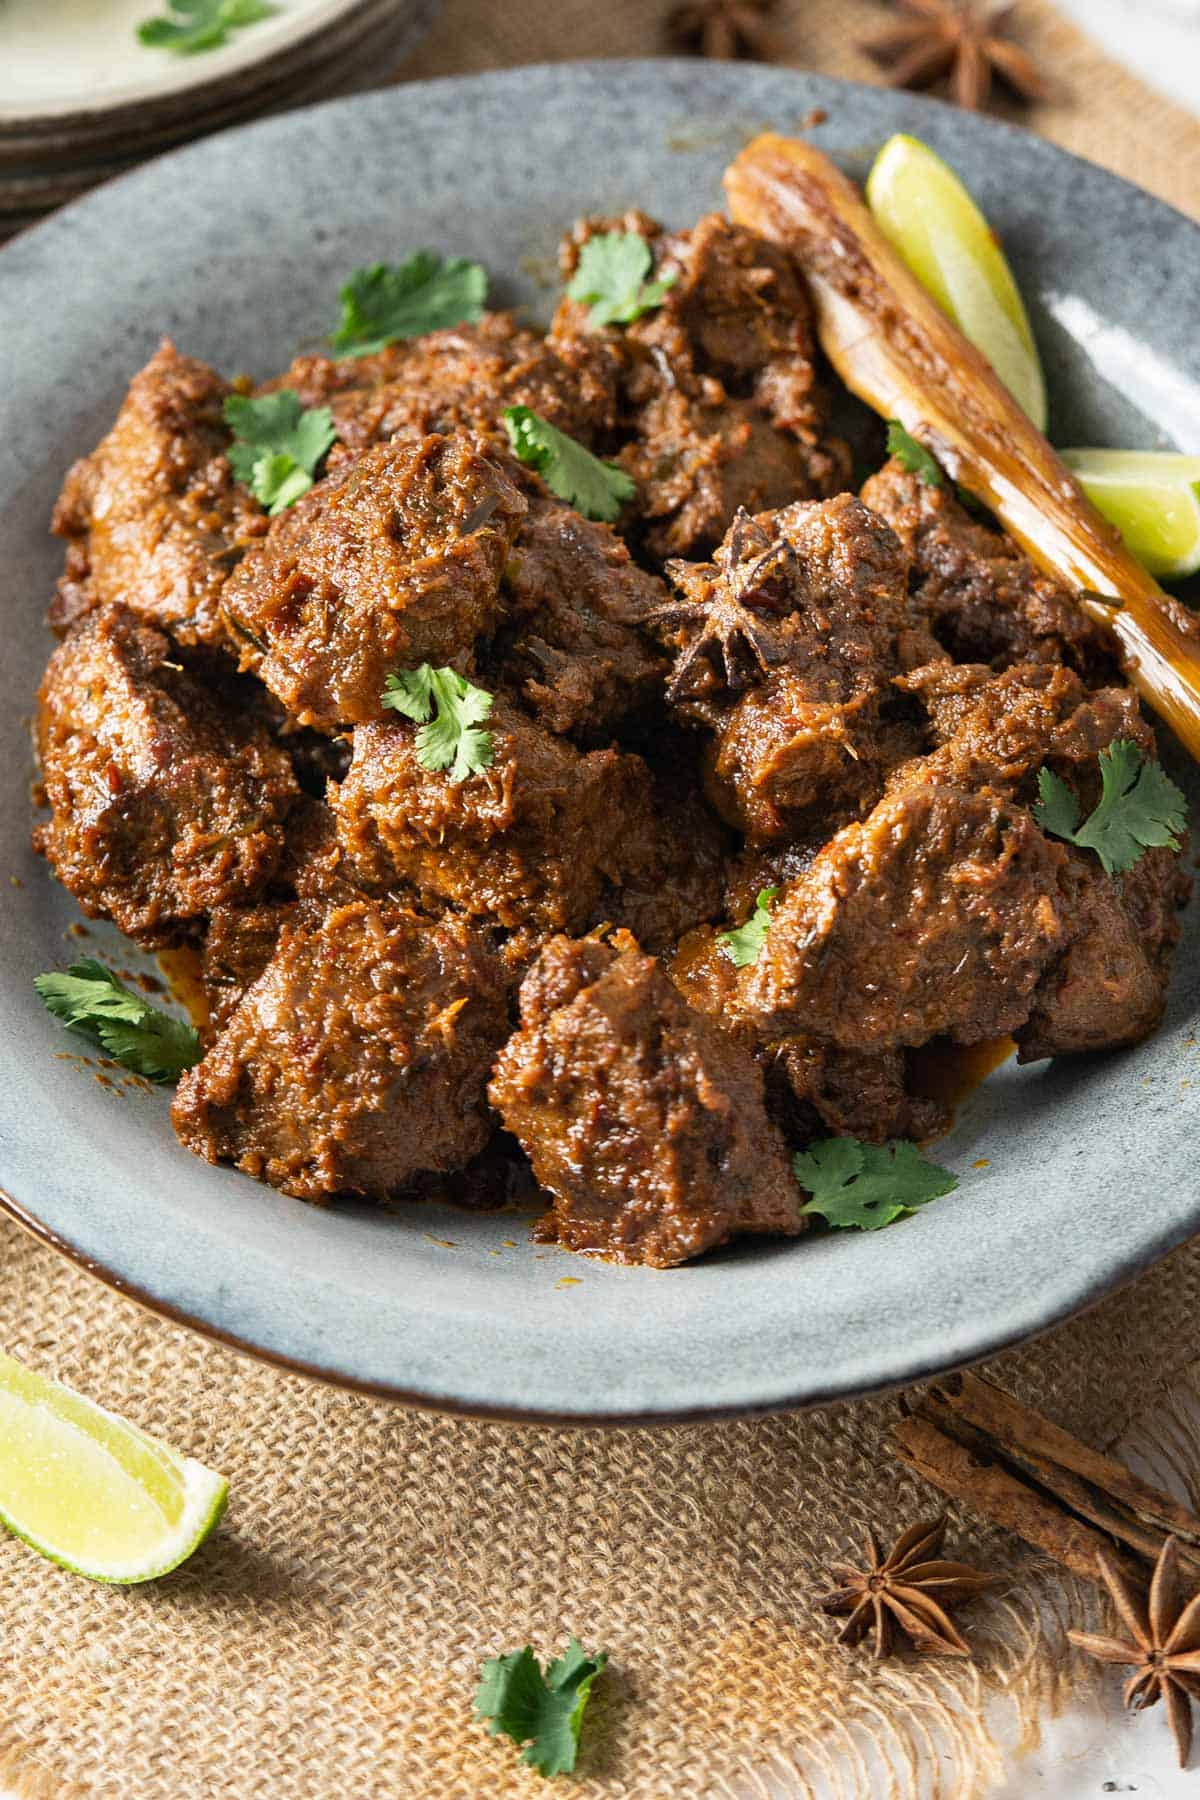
<point x="1153" y="499"/>
<point x="91" y="1491"/>
<point x="931" y="221"/>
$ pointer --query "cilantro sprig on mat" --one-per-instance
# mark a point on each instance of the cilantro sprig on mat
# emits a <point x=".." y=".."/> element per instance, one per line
<point x="743" y="945"/>
<point x="597" y="489"/>
<point x="611" y="278"/>
<point x="1140" y="808"/>
<point x="277" y="445"/>
<point x="913" y="456"/>
<point x="90" y="999"/>
<point x="541" y="1710"/>
<point x="201" y="24"/>
<point x="449" y="711"/>
<point x="861" y="1187"/>
<point x="387" y="302"/>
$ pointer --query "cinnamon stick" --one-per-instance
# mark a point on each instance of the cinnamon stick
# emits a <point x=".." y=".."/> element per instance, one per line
<point x="980" y="1445"/>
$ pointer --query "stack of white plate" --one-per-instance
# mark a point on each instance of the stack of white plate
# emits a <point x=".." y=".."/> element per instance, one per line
<point x="81" y="98"/>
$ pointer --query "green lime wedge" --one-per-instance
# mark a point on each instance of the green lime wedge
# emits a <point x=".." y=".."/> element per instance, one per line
<point x="1153" y="499"/>
<point x="930" y="219"/>
<point x="91" y="1491"/>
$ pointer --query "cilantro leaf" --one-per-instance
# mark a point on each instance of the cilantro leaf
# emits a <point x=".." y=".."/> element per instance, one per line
<point x="277" y="445"/>
<point x="913" y="456"/>
<point x="91" y="1000"/>
<point x="542" y="1711"/>
<point x="1140" y="808"/>
<point x="424" y="293"/>
<point x="201" y="24"/>
<point x="598" y="489"/>
<point x="611" y="275"/>
<point x="860" y="1187"/>
<point x="449" y="711"/>
<point x="743" y="945"/>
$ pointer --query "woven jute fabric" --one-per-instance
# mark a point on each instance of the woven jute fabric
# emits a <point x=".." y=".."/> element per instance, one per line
<point x="324" y="1645"/>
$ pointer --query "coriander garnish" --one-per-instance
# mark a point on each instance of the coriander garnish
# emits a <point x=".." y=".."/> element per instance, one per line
<point x="542" y="1710"/>
<point x="860" y="1187"/>
<point x="743" y="945"/>
<point x="611" y="278"/>
<point x="1140" y="808"/>
<point x="913" y="456"/>
<point x="597" y="489"/>
<point x="277" y="445"/>
<point x="449" y="737"/>
<point x="201" y="24"/>
<point x="90" y="999"/>
<point x="388" y="302"/>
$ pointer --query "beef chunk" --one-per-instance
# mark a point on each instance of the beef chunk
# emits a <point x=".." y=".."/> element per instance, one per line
<point x="165" y="802"/>
<point x="819" y="1090"/>
<point x="699" y="458"/>
<point x="813" y="1089"/>
<point x="571" y="647"/>
<point x="719" y="391"/>
<point x="787" y="644"/>
<point x="674" y="855"/>
<point x="393" y="561"/>
<point x="641" y="1118"/>
<point x="986" y="601"/>
<point x="1109" y="987"/>
<point x="238" y="945"/>
<point x="526" y="842"/>
<point x="463" y="379"/>
<point x="937" y="914"/>
<point x="998" y="730"/>
<point x="357" y="1060"/>
<point x="154" y="518"/>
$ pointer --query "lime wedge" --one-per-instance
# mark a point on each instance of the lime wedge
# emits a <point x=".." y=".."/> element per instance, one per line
<point x="91" y="1491"/>
<point x="930" y="219"/>
<point x="1153" y="499"/>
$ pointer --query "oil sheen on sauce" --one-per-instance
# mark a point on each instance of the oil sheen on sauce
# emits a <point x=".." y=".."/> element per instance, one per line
<point x="181" y="972"/>
<point x="951" y="1072"/>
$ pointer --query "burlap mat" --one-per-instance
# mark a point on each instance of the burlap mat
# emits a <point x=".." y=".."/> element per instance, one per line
<point x="326" y="1643"/>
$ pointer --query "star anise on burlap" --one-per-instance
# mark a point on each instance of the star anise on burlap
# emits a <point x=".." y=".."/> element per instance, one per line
<point x="1163" y="1645"/>
<point x="962" y="39"/>
<point x="722" y="29"/>
<point x="908" y="1589"/>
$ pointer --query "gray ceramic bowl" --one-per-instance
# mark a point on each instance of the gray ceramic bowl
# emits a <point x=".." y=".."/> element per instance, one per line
<point x="1074" y="1175"/>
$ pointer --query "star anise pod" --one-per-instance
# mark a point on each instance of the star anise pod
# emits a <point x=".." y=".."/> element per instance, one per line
<point x="727" y="627"/>
<point x="722" y="29"/>
<point x="961" y="39"/>
<point x="909" y="1589"/>
<point x="1163" y="1645"/>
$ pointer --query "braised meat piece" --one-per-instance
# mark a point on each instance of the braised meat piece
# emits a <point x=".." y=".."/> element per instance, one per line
<point x="719" y="391"/>
<point x="641" y="1118"/>
<point x="526" y="842"/>
<point x="357" y="1060"/>
<point x="998" y="730"/>
<point x="463" y="379"/>
<point x="674" y="857"/>
<point x="153" y="517"/>
<point x="165" y="802"/>
<point x="786" y="644"/>
<point x="393" y="561"/>
<point x="238" y="945"/>
<point x="1109" y="987"/>
<point x="812" y="1089"/>
<point x="938" y="914"/>
<point x="571" y="645"/>
<point x="986" y="601"/>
